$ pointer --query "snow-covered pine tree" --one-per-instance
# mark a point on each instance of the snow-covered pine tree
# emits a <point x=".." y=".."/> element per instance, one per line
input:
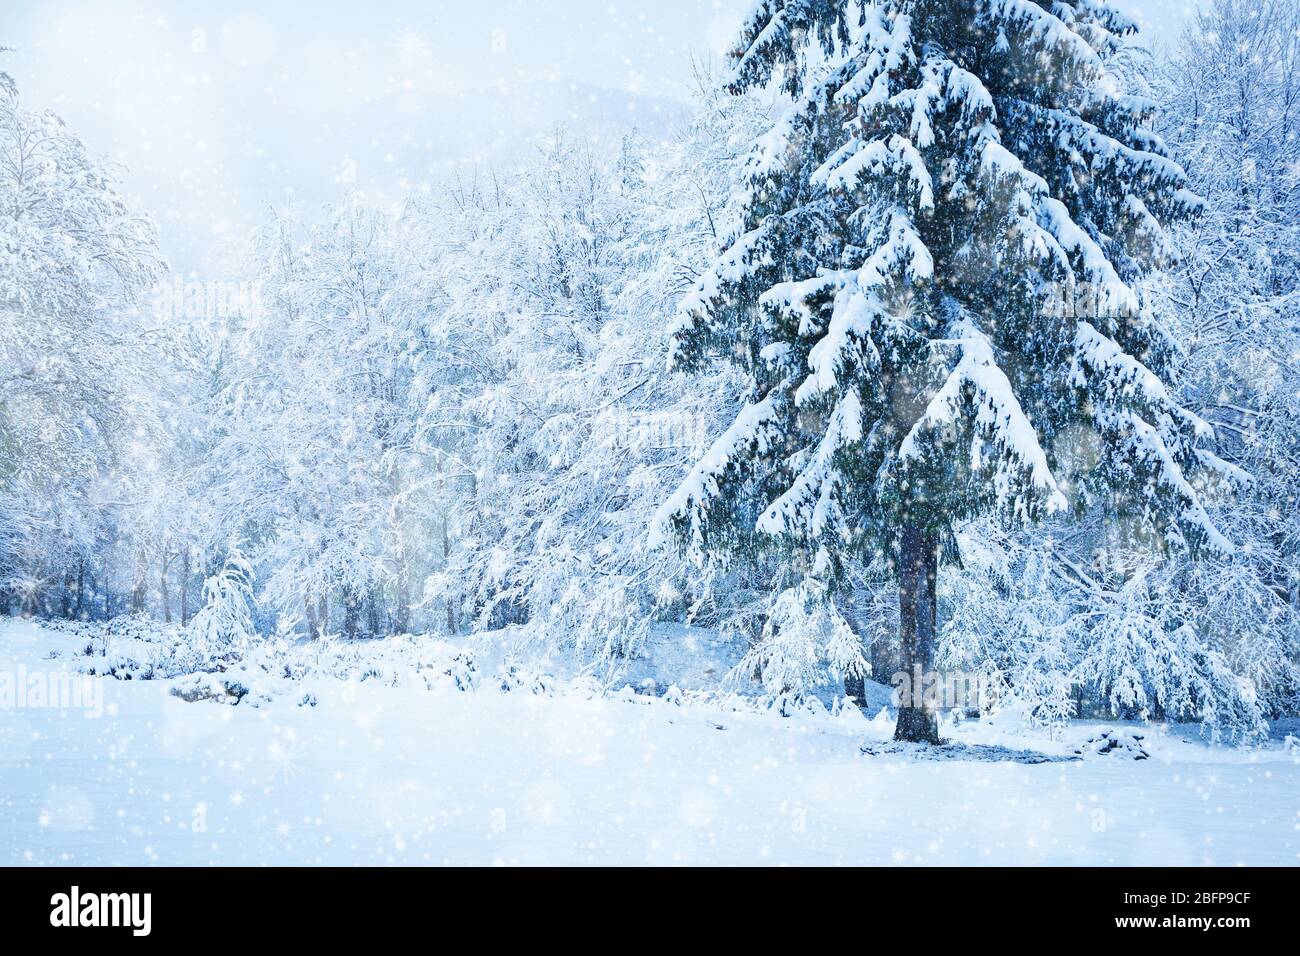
<point x="952" y="180"/>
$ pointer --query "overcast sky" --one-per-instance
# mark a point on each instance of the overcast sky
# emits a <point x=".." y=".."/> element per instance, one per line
<point x="217" y="108"/>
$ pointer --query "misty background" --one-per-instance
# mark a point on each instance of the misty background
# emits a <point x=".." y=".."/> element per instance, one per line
<point x="217" y="110"/>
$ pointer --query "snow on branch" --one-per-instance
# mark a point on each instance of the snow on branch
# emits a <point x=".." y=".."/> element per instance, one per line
<point x="998" y="421"/>
<point x="753" y="433"/>
<point x="810" y="502"/>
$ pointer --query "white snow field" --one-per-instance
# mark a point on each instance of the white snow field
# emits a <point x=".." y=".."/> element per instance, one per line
<point x="424" y="773"/>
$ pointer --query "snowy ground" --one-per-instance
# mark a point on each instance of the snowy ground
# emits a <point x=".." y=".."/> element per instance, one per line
<point x="413" y="774"/>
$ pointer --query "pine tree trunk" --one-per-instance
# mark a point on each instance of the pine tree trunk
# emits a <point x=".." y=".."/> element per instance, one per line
<point x="918" y="572"/>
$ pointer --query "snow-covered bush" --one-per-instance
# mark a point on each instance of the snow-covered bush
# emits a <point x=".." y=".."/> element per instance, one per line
<point x="224" y="625"/>
<point x="804" y="643"/>
<point x="1146" y="638"/>
<point x="1142" y="653"/>
<point x="1007" y="623"/>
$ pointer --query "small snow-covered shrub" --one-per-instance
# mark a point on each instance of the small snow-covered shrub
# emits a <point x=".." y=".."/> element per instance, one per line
<point x="803" y="641"/>
<point x="224" y="625"/>
<point x="1143" y="638"/>
<point x="1140" y="651"/>
<point x="229" y="688"/>
<point x="1005" y="625"/>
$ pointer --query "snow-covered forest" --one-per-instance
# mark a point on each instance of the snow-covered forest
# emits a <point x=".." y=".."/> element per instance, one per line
<point x="465" y="413"/>
<point x="936" y="337"/>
